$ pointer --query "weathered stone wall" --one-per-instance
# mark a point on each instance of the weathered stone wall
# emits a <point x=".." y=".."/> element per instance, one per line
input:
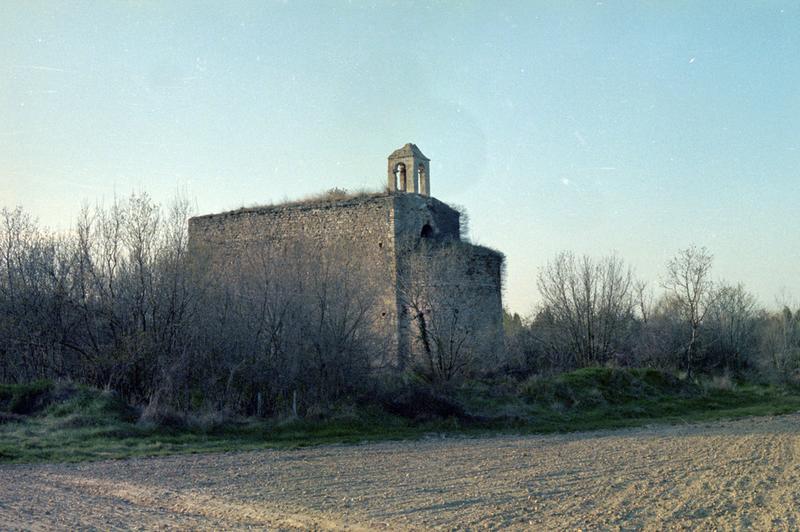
<point x="457" y="287"/>
<point x="479" y="289"/>
<point x="414" y="212"/>
<point x="357" y="233"/>
<point x="377" y="238"/>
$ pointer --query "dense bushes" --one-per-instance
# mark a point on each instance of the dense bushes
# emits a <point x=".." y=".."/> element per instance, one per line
<point x="418" y="402"/>
<point x="120" y="304"/>
<point x="25" y="399"/>
<point x="767" y="346"/>
<point x="595" y="313"/>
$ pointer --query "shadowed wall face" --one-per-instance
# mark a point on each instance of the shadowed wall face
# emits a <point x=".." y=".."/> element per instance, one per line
<point x="353" y="235"/>
<point x="390" y="244"/>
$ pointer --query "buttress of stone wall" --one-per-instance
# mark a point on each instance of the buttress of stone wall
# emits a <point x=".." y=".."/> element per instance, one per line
<point x="355" y="236"/>
<point x="419" y="222"/>
<point x="452" y="290"/>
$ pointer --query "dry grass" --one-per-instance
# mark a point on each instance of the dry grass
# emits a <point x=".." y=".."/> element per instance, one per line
<point x="333" y="195"/>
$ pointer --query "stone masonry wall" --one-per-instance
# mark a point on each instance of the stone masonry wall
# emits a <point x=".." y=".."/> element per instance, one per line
<point x="457" y="286"/>
<point x="360" y="227"/>
<point x="382" y="234"/>
<point x="479" y="287"/>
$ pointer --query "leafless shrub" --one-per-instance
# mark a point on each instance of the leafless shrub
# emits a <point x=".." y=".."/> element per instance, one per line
<point x="731" y="328"/>
<point x="121" y="303"/>
<point x="689" y="286"/>
<point x="289" y="327"/>
<point x="779" y="346"/>
<point x="587" y="307"/>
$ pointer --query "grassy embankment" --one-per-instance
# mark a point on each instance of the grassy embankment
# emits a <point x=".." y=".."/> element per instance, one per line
<point x="46" y="422"/>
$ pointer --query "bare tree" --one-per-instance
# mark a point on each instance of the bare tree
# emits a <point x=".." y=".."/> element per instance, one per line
<point x="338" y="321"/>
<point x="780" y="345"/>
<point x="732" y="323"/>
<point x="688" y="284"/>
<point x="121" y="303"/>
<point x="288" y="321"/>
<point x="589" y="304"/>
<point x="643" y="297"/>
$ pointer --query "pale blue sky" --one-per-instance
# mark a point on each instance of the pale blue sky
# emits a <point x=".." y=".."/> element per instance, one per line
<point x="635" y="127"/>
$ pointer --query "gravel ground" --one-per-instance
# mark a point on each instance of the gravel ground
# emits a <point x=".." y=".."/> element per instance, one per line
<point x="725" y="475"/>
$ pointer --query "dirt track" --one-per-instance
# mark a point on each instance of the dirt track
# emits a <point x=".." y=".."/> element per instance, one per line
<point x="729" y="475"/>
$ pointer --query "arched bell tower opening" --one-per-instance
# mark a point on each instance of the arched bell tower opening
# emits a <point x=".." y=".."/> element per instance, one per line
<point x="422" y="179"/>
<point x="400" y="176"/>
<point x="409" y="171"/>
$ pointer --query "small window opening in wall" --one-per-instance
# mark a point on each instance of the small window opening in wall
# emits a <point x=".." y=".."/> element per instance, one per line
<point x="427" y="231"/>
<point x="380" y="245"/>
<point x="383" y="314"/>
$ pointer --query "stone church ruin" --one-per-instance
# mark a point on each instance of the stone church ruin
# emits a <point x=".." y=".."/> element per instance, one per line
<point x="433" y="290"/>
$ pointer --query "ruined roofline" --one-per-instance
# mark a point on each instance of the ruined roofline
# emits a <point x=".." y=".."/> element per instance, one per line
<point x="475" y="249"/>
<point x="324" y="199"/>
<point x="486" y="250"/>
<point x="333" y="198"/>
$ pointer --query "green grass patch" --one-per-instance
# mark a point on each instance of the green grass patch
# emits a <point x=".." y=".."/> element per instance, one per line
<point x="45" y="422"/>
<point x="608" y="398"/>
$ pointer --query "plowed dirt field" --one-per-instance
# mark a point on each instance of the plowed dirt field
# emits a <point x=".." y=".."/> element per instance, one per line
<point x="741" y="474"/>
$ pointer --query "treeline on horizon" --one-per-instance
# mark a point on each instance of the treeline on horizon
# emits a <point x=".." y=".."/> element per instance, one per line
<point x="120" y="303"/>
